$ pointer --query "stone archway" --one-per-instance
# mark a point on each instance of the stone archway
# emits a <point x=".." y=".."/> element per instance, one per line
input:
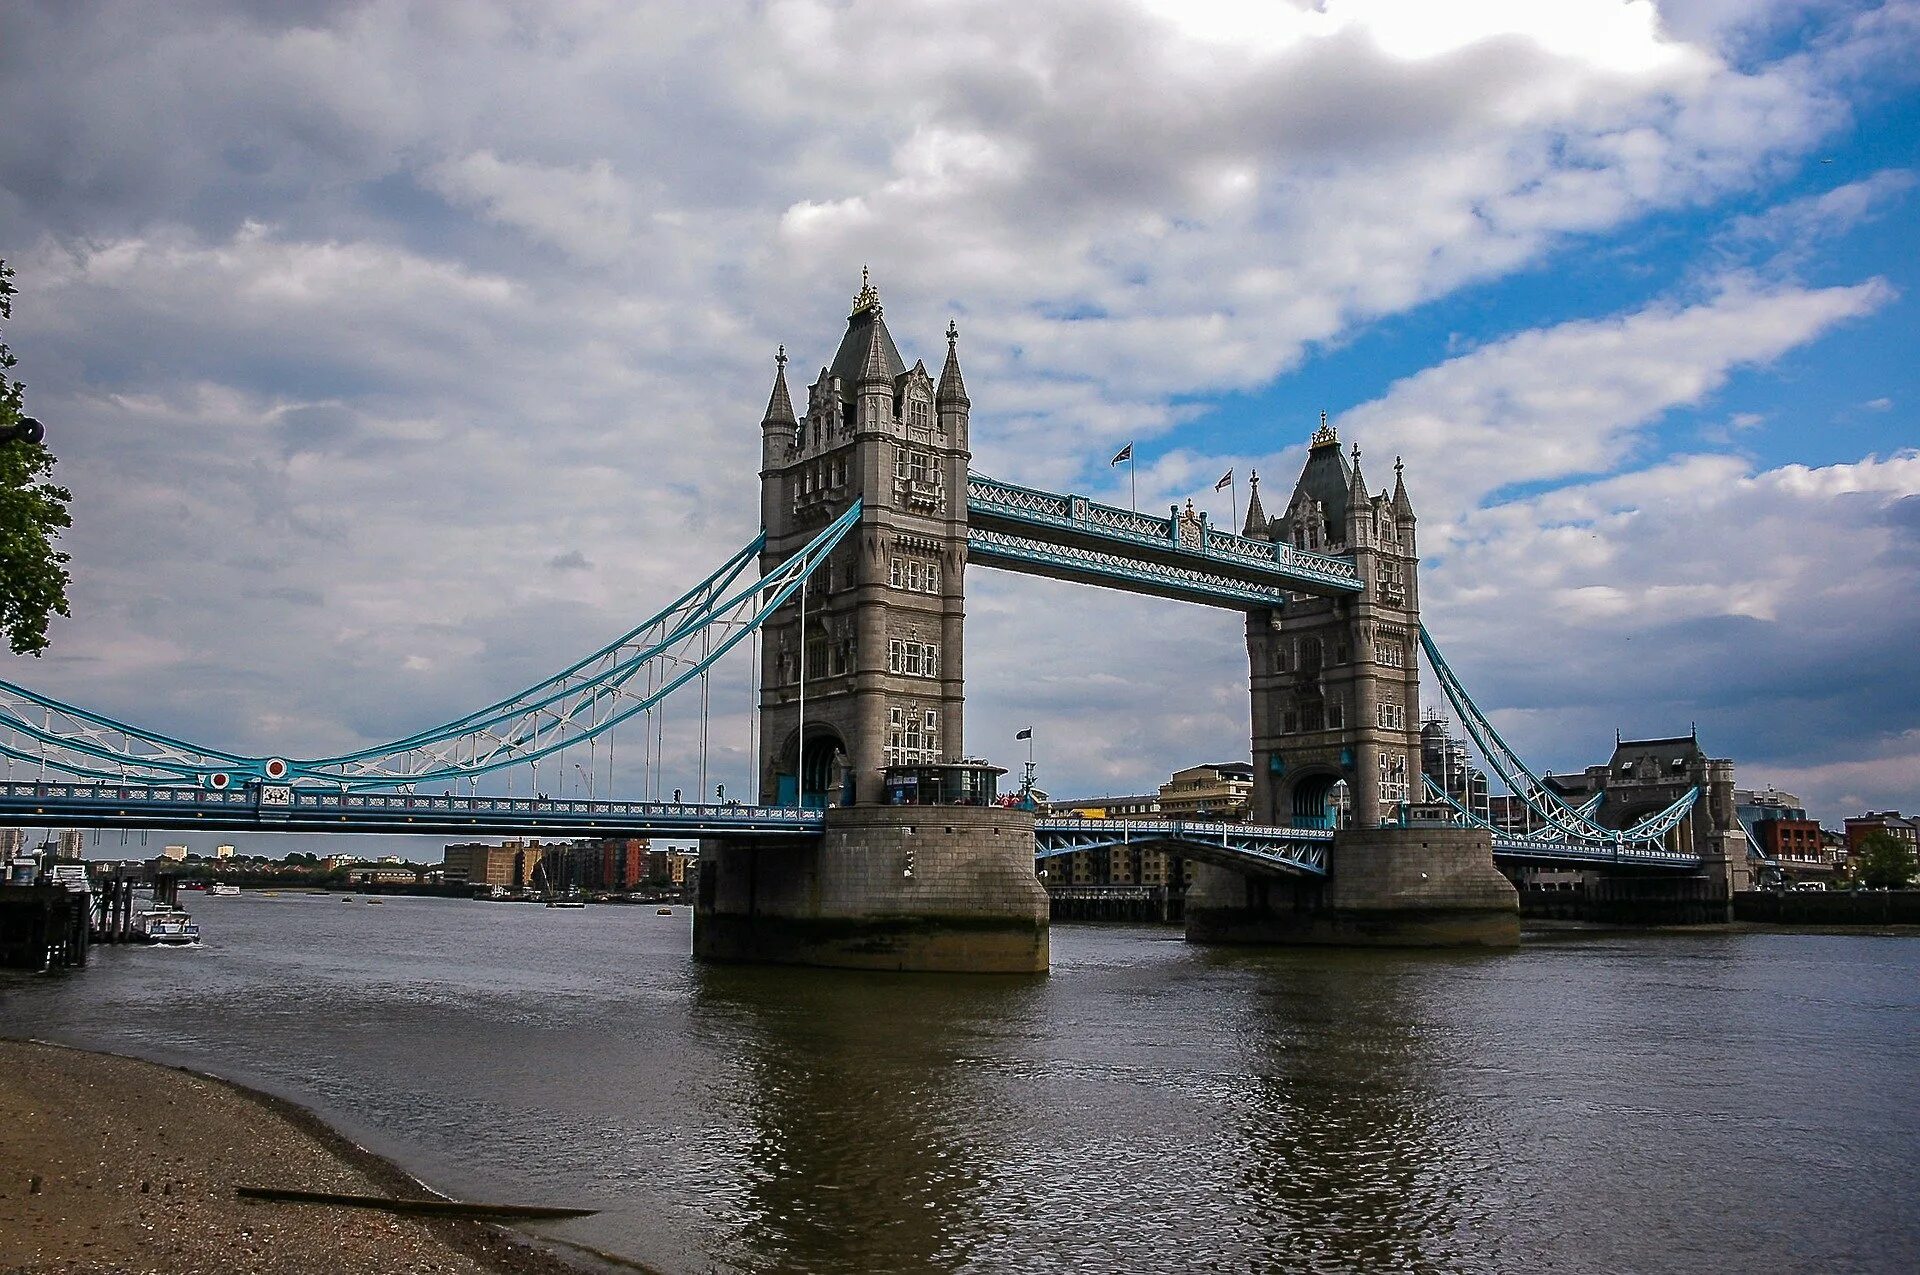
<point x="825" y="774"/>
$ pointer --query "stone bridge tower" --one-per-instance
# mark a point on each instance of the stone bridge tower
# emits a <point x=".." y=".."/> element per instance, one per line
<point x="1336" y="680"/>
<point x="881" y="646"/>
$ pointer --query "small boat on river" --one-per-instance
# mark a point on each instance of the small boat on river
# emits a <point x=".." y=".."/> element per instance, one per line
<point x="166" y="926"/>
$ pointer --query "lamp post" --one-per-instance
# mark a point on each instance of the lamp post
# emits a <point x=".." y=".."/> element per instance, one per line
<point x="25" y="430"/>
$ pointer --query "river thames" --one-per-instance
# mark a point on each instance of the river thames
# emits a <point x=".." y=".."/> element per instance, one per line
<point x="1592" y="1102"/>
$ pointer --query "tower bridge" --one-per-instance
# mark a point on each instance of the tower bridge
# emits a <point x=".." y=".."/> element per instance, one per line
<point x="852" y="599"/>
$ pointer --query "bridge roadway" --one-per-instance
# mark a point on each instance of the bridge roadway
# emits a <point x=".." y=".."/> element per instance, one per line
<point x="1073" y="538"/>
<point x="264" y="808"/>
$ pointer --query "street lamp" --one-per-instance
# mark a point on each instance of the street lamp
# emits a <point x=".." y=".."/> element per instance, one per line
<point x="25" y="430"/>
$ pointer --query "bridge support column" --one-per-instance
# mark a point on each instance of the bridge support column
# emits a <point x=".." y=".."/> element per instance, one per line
<point x="1385" y="887"/>
<point x="932" y="888"/>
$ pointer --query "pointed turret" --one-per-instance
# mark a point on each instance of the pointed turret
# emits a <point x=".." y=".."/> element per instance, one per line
<point x="1256" y="525"/>
<point x="950" y="399"/>
<point x="1402" y="506"/>
<point x="952" y="389"/>
<point x="780" y="405"/>
<point x="867" y="352"/>
<point x="778" y="428"/>
<point x="1356" y="484"/>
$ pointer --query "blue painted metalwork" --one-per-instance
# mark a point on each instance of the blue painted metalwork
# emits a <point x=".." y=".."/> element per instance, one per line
<point x="1034" y="556"/>
<point x="1126" y="541"/>
<point x="573" y="706"/>
<point x="1547" y="846"/>
<point x="280" y="808"/>
<point x="1245" y="846"/>
<point x="1574" y="823"/>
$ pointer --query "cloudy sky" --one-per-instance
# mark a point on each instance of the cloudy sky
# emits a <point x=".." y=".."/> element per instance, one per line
<point x="396" y="354"/>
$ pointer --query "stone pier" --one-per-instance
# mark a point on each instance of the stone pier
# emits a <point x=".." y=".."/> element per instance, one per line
<point x="1385" y="887"/>
<point x="929" y="888"/>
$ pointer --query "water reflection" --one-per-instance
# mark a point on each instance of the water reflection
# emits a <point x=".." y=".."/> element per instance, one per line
<point x="858" y="1113"/>
<point x="1350" y="1156"/>
<point x="1586" y="1105"/>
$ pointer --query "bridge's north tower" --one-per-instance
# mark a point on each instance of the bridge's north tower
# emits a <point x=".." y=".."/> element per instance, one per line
<point x="880" y="646"/>
<point x="1336" y="679"/>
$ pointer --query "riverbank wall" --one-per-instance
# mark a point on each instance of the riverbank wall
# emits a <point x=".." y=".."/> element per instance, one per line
<point x="1632" y="900"/>
<point x="1828" y="907"/>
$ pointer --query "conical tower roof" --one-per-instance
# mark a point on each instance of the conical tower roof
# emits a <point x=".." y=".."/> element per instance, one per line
<point x="1256" y="524"/>
<point x="1402" y="505"/>
<point x="952" y="389"/>
<point x="867" y="351"/>
<point x="1325" y="477"/>
<point x="780" y="404"/>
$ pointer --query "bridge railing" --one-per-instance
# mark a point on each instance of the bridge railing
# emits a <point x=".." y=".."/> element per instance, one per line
<point x="1029" y="504"/>
<point x="270" y="799"/>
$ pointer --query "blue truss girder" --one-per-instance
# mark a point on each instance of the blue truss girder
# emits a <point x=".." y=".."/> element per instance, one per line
<point x="1550" y="845"/>
<point x="1033" y="556"/>
<point x="267" y="808"/>
<point x="1074" y="522"/>
<point x="1245" y="846"/>
<point x="1574" y="823"/>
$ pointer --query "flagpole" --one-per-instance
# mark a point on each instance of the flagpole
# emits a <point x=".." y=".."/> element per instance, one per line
<point x="1234" y="488"/>
<point x="1133" y="488"/>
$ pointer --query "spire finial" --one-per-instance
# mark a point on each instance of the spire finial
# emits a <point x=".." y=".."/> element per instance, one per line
<point x="953" y="334"/>
<point x="1325" y="435"/>
<point x="867" y="298"/>
<point x="1356" y="453"/>
<point x="1253" y="478"/>
<point x="1398" y="466"/>
<point x="781" y="358"/>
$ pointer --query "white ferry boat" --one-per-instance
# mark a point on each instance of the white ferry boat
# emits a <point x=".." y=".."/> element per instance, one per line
<point x="223" y="889"/>
<point x="166" y="926"/>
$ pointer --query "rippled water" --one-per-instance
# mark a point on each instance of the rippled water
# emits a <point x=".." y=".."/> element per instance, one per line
<point x="1638" y="1103"/>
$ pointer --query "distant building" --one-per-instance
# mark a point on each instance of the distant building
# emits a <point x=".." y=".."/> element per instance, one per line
<point x="513" y="865"/>
<point x="73" y="844"/>
<point x="1646" y="776"/>
<point x="223" y="852"/>
<point x="623" y="862"/>
<point x="176" y="853"/>
<point x="1446" y="761"/>
<point x="1217" y="790"/>
<point x="385" y="872"/>
<point x="1896" y="825"/>
<point x="670" y="867"/>
<point x="1139" y="806"/>
<point x="1778" y="824"/>
<point x="13" y="843"/>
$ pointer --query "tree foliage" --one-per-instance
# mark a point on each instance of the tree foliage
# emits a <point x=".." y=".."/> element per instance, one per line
<point x="33" y="513"/>
<point x="1885" y="862"/>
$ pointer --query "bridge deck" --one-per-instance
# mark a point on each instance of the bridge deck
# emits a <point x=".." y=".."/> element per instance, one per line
<point x="1073" y="538"/>
<point x="295" y="810"/>
<point x="1246" y="847"/>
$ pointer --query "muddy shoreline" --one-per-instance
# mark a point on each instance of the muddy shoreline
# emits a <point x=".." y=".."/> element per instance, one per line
<point x="110" y="1163"/>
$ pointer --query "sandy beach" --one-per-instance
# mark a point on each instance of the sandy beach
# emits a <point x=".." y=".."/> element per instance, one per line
<point x="110" y="1164"/>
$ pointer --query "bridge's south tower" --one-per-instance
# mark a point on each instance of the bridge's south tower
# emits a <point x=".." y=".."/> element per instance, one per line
<point x="1336" y="680"/>
<point x="880" y="644"/>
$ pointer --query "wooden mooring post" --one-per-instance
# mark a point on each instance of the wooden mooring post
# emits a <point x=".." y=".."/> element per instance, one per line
<point x="43" y="926"/>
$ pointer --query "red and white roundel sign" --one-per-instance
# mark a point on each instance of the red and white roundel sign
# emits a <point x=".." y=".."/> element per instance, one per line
<point x="218" y="780"/>
<point x="276" y="769"/>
